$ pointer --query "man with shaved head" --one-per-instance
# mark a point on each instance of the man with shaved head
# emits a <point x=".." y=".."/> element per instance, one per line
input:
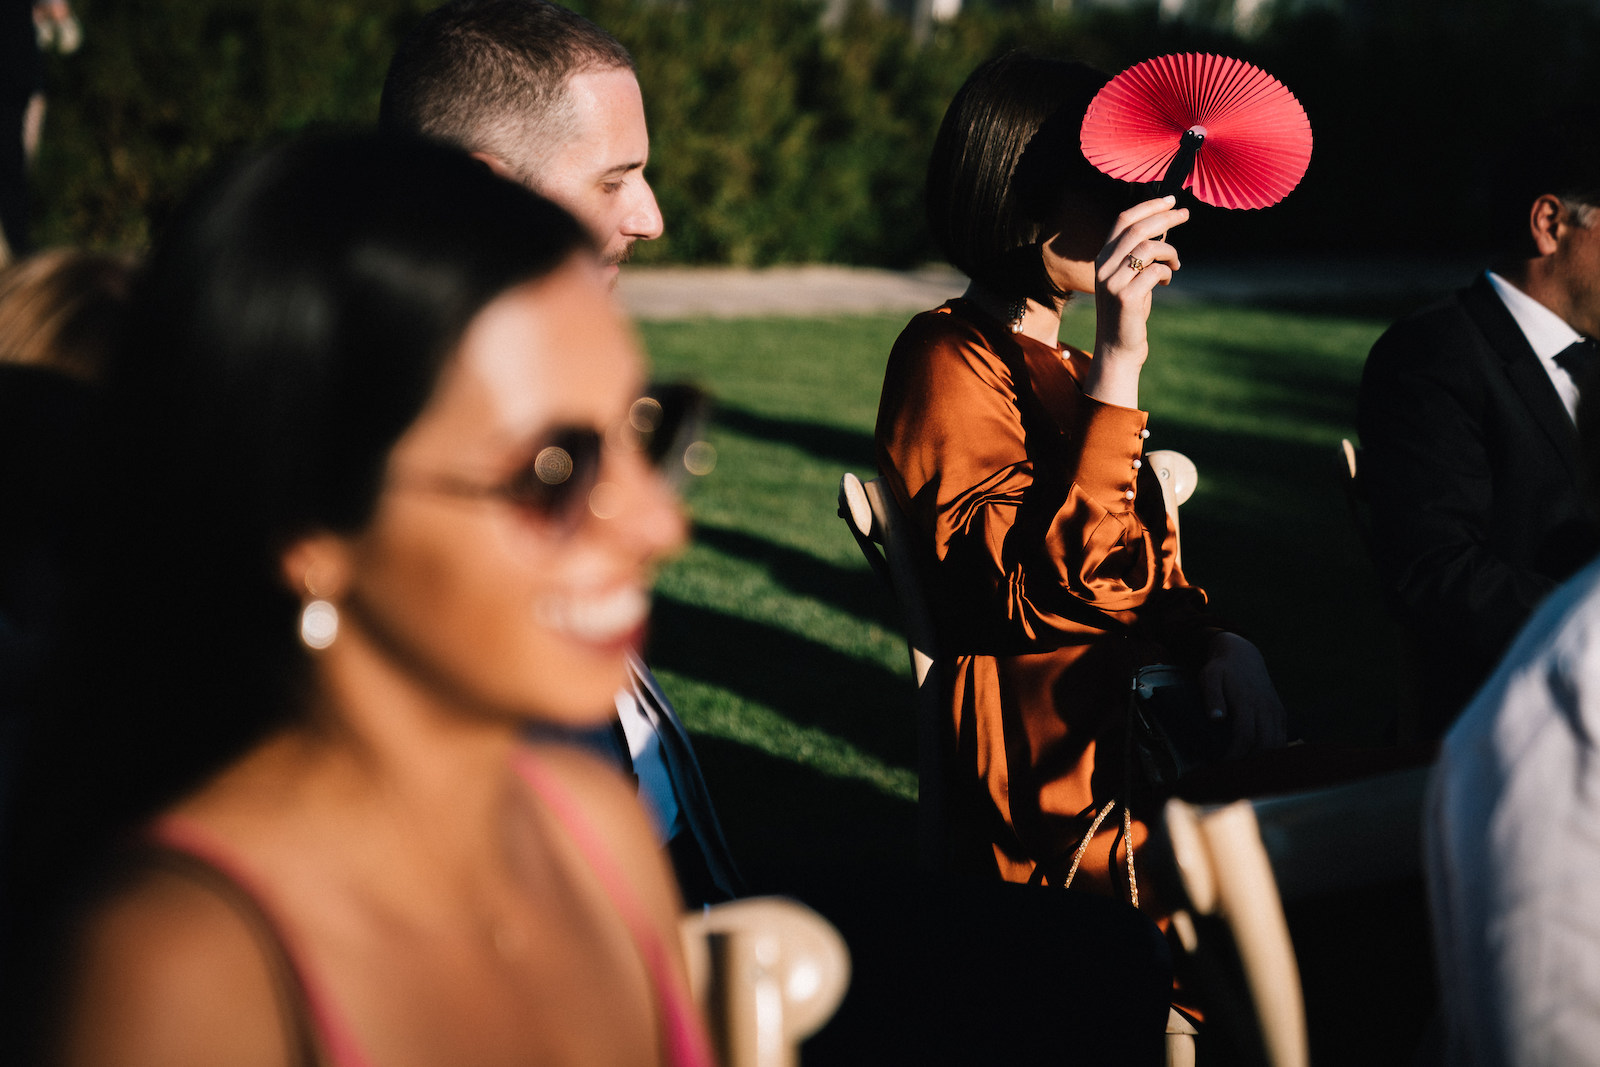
<point x="544" y="97"/>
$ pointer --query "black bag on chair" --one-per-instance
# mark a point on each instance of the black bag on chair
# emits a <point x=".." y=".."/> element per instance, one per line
<point x="1170" y="731"/>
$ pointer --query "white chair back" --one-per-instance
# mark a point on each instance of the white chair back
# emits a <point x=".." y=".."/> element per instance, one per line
<point x="1178" y="477"/>
<point x="767" y="972"/>
<point x="1240" y="861"/>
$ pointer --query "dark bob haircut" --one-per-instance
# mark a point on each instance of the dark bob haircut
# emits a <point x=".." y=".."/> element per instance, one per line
<point x="286" y="332"/>
<point x="1006" y="154"/>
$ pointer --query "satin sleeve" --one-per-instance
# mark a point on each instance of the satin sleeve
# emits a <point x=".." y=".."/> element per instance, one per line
<point x="1030" y="488"/>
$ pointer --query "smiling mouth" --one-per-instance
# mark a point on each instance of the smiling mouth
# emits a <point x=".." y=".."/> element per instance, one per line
<point x="597" y="619"/>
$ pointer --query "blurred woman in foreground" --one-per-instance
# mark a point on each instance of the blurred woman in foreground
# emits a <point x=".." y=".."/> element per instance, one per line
<point x="1051" y="561"/>
<point x="381" y="502"/>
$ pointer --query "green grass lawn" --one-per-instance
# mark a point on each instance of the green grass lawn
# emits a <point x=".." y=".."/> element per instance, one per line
<point x="782" y="651"/>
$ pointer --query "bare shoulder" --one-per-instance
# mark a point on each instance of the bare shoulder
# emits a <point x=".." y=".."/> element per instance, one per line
<point x="611" y="805"/>
<point x="169" y="973"/>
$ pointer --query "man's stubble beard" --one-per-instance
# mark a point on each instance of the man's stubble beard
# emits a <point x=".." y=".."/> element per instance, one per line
<point x="618" y="258"/>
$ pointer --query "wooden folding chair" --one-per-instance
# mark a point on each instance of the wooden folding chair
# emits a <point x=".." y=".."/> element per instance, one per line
<point x="1235" y="862"/>
<point x="1354" y="498"/>
<point x="767" y="972"/>
<point x="1239" y="862"/>
<point x="884" y="536"/>
<point x="1178" y="480"/>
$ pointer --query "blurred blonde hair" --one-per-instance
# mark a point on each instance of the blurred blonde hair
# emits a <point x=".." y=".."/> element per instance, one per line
<point x="62" y="309"/>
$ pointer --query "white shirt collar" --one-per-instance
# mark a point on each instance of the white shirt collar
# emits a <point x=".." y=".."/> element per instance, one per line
<point x="1547" y="332"/>
<point x="1548" y="335"/>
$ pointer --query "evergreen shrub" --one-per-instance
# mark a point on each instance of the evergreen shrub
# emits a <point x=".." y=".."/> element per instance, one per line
<point x="776" y="140"/>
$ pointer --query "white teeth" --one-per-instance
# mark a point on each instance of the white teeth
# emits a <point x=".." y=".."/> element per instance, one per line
<point x="598" y="617"/>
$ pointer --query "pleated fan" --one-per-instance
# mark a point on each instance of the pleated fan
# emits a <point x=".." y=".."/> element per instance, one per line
<point x="1231" y="133"/>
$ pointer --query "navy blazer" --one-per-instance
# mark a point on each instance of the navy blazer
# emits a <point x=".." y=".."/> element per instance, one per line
<point x="1470" y="467"/>
<point x="699" y="853"/>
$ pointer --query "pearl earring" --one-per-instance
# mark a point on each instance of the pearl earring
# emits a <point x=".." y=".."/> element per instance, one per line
<point x="319" y="620"/>
<point x="319" y="624"/>
<point x="1015" y="312"/>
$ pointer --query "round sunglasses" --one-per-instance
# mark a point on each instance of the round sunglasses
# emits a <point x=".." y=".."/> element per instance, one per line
<point x="556" y="484"/>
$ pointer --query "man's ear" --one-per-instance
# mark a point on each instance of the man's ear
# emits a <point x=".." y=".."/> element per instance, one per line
<point x="317" y="566"/>
<point x="1546" y="221"/>
<point x="496" y="164"/>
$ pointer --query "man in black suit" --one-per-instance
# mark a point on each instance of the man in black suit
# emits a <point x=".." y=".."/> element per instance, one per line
<point x="1467" y="414"/>
<point x="546" y="98"/>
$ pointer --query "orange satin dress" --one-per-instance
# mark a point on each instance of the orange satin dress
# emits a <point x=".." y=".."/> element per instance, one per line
<point x="1051" y="572"/>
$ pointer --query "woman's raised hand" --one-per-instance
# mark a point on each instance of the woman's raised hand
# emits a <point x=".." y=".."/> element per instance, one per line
<point x="1133" y="262"/>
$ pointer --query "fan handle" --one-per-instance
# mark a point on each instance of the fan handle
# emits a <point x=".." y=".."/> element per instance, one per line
<point x="1183" y="162"/>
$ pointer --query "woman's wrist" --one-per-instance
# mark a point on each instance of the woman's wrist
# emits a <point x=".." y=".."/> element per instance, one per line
<point x="1112" y="377"/>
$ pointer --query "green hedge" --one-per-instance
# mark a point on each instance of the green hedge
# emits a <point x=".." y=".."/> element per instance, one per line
<point x="160" y="88"/>
<point x="775" y="140"/>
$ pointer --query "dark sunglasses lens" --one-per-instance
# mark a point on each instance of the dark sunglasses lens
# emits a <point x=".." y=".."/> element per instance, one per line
<point x="557" y="482"/>
<point x="669" y="421"/>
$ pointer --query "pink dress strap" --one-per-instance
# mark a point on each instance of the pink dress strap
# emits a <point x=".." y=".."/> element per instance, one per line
<point x="682" y="1030"/>
<point x="190" y="839"/>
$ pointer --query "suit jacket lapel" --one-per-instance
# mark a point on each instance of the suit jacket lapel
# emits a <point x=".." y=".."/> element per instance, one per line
<point x="694" y="800"/>
<point x="1526" y="374"/>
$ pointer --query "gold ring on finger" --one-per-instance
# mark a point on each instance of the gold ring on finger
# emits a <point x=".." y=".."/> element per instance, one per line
<point x="1136" y="263"/>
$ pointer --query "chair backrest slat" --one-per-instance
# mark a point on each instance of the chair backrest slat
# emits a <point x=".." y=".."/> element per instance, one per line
<point x="885" y="538"/>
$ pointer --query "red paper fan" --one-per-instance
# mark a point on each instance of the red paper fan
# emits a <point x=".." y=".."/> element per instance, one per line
<point x="1249" y="135"/>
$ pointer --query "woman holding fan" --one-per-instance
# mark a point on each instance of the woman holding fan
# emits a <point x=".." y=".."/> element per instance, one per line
<point x="1050" y="560"/>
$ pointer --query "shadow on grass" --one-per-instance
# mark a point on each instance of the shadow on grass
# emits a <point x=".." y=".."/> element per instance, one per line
<point x="1378" y="307"/>
<point x="793" y="828"/>
<point x="809" y="684"/>
<point x="1298" y="472"/>
<point x="854" y="590"/>
<point x="1311" y="389"/>
<point x="1293" y="575"/>
<point x="835" y="444"/>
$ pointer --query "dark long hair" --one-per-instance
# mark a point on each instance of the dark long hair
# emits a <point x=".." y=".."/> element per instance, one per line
<point x="284" y="334"/>
<point x="1006" y="154"/>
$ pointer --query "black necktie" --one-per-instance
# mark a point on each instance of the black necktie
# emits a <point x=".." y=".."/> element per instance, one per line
<point x="1578" y="359"/>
